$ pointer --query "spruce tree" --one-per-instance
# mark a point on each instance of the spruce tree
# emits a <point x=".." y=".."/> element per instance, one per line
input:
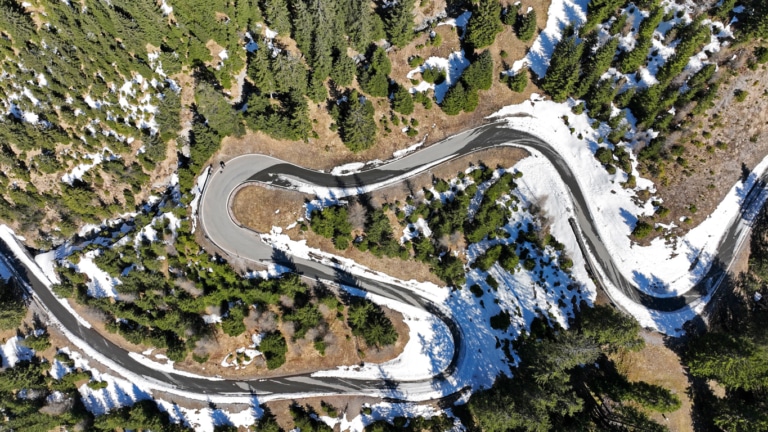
<point x="260" y="71"/>
<point x="563" y="71"/>
<point x="343" y="70"/>
<point x="277" y="16"/>
<point x="479" y="74"/>
<point x="358" y="128"/>
<point x="484" y="23"/>
<point x="454" y="100"/>
<point x="402" y="101"/>
<point x="373" y="78"/>
<point x="398" y="22"/>
<point x="595" y="65"/>
<point x="526" y="26"/>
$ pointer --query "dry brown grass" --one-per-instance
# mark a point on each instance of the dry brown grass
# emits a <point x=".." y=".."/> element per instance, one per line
<point x="657" y="364"/>
<point x="343" y="348"/>
<point x="711" y="172"/>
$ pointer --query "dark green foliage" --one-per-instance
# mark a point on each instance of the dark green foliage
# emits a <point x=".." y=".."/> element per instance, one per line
<point x="398" y="22"/>
<point x="479" y="74"/>
<point x="557" y="372"/>
<point x="378" y="236"/>
<point x="755" y="19"/>
<point x="510" y="15"/>
<point x="518" y="81"/>
<point x="273" y="347"/>
<point x="304" y="318"/>
<point x="610" y="328"/>
<point x="38" y="343"/>
<point x="358" y="128"/>
<point x="167" y="117"/>
<point x="402" y="102"/>
<point x="12" y="305"/>
<point x="488" y="258"/>
<point x="642" y="230"/>
<point x="599" y="11"/>
<point x="454" y="100"/>
<point x="761" y="55"/>
<point x="217" y="111"/>
<point x="332" y="222"/>
<point x="277" y="15"/>
<point x="343" y="70"/>
<point x="563" y="72"/>
<point x="367" y="320"/>
<point x="692" y="37"/>
<point x="233" y="324"/>
<point x="373" y="76"/>
<point x="595" y="64"/>
<point x="484" y="23"/>
<point x="500" y="321"/>
<point x="526" y="26"/>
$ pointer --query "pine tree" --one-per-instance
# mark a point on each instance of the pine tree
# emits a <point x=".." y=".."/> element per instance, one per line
<point x="472" y="100"/>
<point x="373" y="78"/>
<point x="302" y="24"/>
<point x="484" y="23"/>
<point x="479" y="74"/>
<point x="526" y="26"/>
<point x="563" y="71"/>
<point x="358" y="128"/>
<point x="402" y="101"/>
<point x="260" y="71"/>
<point x="362" y="24"/>
<point x="518" y="81"/>
<point x="595" y="65"/>
<point x="343" y="70"/>
<point x="277" y="16"/>
<point x="454" y="100"/>
<point x="398" y="22"/>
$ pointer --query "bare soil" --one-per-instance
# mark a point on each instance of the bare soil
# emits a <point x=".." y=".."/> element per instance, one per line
<point x="657" y="364"/>
<point x="343" y="348"/>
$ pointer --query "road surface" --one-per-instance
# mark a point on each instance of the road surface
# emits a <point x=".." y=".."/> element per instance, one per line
<point x="220" y="228"/>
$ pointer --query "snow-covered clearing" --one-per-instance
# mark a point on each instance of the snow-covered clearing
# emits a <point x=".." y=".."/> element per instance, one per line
<point x="662" y="270"/>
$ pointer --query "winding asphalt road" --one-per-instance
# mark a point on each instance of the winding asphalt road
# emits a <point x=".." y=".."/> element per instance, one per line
<point x="220" y="228"/>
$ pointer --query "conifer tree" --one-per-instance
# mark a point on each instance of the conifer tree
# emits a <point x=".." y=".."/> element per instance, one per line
<point x="479" y="74"/>
<point x="260" y="71"/>
<point x="563" y="72"/>
<point x="454" y="100"/>
<point x="595" y="65"/>
<point x="358" y="128"/>
<point x="277" y="16"/>
<point x="343" y="70"/>
<point x="373" y="78"/>
<point x="526" y="26"/>
<point x="484" y="23"/>
<point x="402" y="101"/>
<point x="398" y="22"/>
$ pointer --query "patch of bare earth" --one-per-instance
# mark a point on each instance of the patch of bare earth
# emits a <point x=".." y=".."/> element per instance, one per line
<point x="657" y="364"/>
<point x="342" y="348"/>
<point x="261" y="208"/>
